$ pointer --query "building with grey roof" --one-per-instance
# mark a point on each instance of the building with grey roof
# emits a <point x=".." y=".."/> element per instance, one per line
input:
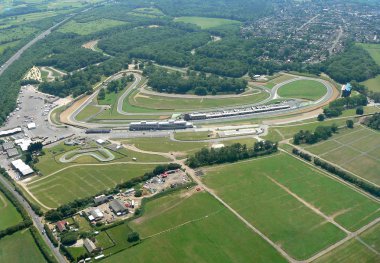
<point x="118" y="207"/>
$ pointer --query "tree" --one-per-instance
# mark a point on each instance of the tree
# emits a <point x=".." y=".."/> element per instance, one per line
<point x="138" y="193"/>
<point x="102" y="94"/>
<point x="359" y="111"/>
<point x="321" y="117"/>
<point x="350" y="124"/>
<point x="35" y="147"/>
<point x="69" y="238"/>
<point x="133" y="237"/>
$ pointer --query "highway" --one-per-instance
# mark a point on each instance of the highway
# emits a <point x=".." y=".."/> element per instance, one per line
<point x="18" y="54"/>
<point x="36" y="220"/>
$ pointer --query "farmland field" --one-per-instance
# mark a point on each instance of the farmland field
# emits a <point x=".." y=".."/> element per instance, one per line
<point x="356" y="150"/>
<point x="83" y="181"/>
<point x="89" y="27"/>
<point x="263" y="190"/>
<point x="202" y="230"/>
<point x="303" y="89"/>
<point x="20" y="248"/>
<point x="8" y="213"/>
<point x="140" y="103"/>
<point x="205" y="22"/>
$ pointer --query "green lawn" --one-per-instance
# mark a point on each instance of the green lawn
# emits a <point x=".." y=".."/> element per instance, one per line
<point x="49" y="163"/>
<point x="349" y="252"/>
<point x="205" y="22"/>
<point x="89" y="27"/>
<point x="355" y="150"/>
<point x="303" y="89"/>
<point x="192" y="136"/>
<point x="202" y="230"/>
<point x="8" y="213"/>
<point x="373" y="50"/>
<point x="252" y="189"/>
<point x="373" y="84"/>
<point x="165" y="145"/>
<point x="20" y="248"/>
<point x="83" y="181"/>
<point x="119" y="237"/>
<point x="140" y="103"/>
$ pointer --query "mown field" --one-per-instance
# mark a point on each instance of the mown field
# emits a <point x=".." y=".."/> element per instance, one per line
<point x="140" y="103"/>
<point x="367" y="249"/>
<point x="89" y="27"/>
<point x="263" y="191"/>
<point x="83" y="181"/>
<point x="20" y="248"/>
<point x="374" y="50"/>
<point x="356" y="150"/>
<point x="205" y="22"/>
<point x="303" y="89"/>
<point x="8" y="213"/>
<point x="194" y="228"/>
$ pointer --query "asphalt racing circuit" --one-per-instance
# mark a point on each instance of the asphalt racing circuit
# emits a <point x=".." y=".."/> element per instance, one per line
<point x="297" y="105"/>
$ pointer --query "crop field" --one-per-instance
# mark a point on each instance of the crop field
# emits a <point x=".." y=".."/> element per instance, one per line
<point x="356" y="150"/>
<point x="140" y="103"/>
<point x="205" y="22"/>
<point x="20" y="248"/>
<point x="8" y="213"/>
<point x="303" y="89"/>
<point x="83" y="181"/>
<point x="195" y="228"/>
<point x="373" y="84"/>
<point x="89" y="27"/>
<point x="274" y="194"/>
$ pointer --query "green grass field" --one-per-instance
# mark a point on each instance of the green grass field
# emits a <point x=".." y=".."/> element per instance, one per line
<point x="8" y="213"/>
<point x="192" y="136"/>
<point x="142" y="103"/>
<point x="89" y="27"/>
<point x="303" y="89"/>
<point x="20" y="248"/>
<point x="165" y="145"/>
<point x="373" y="50"/>
<point x="253" y="189"/>
<point x="351" y="251"/>
<point x="373" y="84"/>
<point x="356" y="150"/>
<point x="278" y="79"/>
<point x="50" y="162"/>
<point x="205" y="22"/>
<point x="201" y="230"/>
<point x="83" y="181"/>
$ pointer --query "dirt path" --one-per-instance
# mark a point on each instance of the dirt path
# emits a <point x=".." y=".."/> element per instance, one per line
<point x="310" y="206"/>
<point x="344" y="240"/>
<point x="91" y="45"/>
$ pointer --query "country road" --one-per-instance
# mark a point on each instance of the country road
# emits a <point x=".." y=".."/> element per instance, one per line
<point x="36" y="219"/>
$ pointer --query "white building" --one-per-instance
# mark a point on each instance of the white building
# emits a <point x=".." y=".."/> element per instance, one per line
<point x="22" y="168"/>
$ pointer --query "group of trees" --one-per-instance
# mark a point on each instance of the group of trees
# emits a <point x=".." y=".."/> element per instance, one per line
<point x="302" y="154"/>
<point x="373" y="122"/>
<point x="336" y="107"/>
<point x="163" y="80"/>
<point x="353" y="64"/>
<point x="320" y="133"/>
<point x="368" y="187"/>
<point x="232" y="153"/>
<point x="73" y="207"/>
